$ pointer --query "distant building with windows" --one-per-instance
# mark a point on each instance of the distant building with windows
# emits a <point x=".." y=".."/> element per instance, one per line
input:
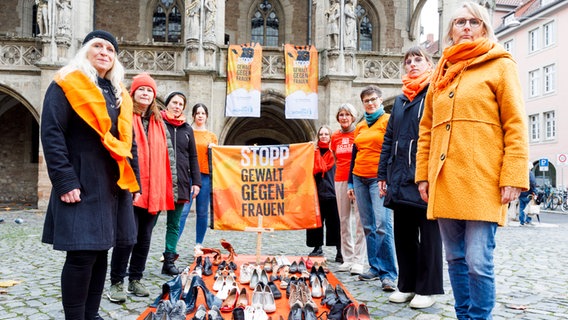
<point x="531" y="31"/>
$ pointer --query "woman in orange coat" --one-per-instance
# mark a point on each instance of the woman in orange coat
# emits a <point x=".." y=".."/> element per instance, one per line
<point x="472" y="153"/>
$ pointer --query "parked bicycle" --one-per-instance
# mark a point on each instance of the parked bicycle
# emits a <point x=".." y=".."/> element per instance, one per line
<point x="549" y="199"/>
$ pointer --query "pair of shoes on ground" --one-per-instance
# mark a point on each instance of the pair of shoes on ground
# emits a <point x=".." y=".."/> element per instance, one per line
<point x="168" y="310"/>
<point x="417" y="301"/>
<point x="116" y="291"/>
<point x="353" y="268"/>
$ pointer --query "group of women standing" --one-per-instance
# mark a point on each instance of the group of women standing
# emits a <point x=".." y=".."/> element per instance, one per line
<point x="454" y="126"/>
<point x="115" y="161"/>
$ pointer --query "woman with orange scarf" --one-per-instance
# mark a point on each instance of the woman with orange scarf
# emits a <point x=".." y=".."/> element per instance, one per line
<point x="86" y="133"/>
<point x="472" y="157"/>
<point x="417" y="239"/>
<point x="158" y="180"/>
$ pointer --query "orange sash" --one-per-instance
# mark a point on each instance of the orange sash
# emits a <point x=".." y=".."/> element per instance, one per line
<point x="89" y="103"/>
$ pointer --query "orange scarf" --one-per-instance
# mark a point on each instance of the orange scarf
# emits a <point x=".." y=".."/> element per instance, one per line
<point x="168" y="117"/>
<point x="89" y="103"/>
<point x="456" y="59"/>
<point x="155" y="171"/>
<point x="411" y="87"/>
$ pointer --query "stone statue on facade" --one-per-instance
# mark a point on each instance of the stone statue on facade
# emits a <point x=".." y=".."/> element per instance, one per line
<point x="350" y="39"/>
<point x="44" y="16"/>
<point x="210" y="13"/>
<point x="332" y="14"/>
<point x="193" y="12"/>
<point x="63" y="17"/>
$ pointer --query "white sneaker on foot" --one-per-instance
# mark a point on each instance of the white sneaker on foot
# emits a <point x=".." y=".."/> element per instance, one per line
<point x="420" y="302"/>
<point x="197" y="250"/>
<point x="401" y="297"/>
<point x="356" y="268"/>
<point x="344" y="267"/>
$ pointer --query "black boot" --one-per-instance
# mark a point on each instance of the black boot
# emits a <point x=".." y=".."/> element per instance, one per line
<point x="339" y="256"/>
<point x="169" y="266"/>
<point x="317" y="252"/>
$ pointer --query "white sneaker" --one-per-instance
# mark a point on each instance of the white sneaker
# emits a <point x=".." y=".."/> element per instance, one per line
<point x="420" y="302"/>
<point x="344" y="267"/>
<point x="356" y="268"/>
<point x="401" y="297"/>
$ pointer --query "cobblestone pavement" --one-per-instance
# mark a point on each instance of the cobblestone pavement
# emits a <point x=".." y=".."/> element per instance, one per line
<point x="530" y="271"/>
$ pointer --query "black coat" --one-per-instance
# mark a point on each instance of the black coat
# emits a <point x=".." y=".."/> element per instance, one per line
<point x="187" y="166"/>
<point x="76" y="158"/>
<point x="398" y="156"/>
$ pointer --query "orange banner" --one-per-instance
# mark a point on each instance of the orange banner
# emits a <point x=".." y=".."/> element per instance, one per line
<point x="274" y="181"/>
<point x="244" y="67"/>
<point x="301" y="82"/>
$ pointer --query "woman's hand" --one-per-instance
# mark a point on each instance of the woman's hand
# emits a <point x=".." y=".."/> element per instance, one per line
<point x="135" y="196"/>
<point x="351" y="194"/>
<point x="72" y="196"/>
<point x="195" y="191"/>
<point x="423" y="189"/>
<point x="382" y="188"/>
<point x="509" y="194"/>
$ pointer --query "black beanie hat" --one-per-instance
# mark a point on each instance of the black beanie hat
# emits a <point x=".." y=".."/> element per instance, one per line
<point x="102" y="35"/>
<point x="173" y="94"/>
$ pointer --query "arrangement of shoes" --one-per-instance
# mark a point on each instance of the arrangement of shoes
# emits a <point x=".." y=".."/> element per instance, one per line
<point x="249" y="291"/>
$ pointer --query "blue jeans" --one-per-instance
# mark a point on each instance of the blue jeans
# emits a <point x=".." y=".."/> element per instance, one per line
<point x="378" y="226"/>
<point x="469" y="252"/>
<point x="201" y="210"/>
<point x="523" y="218"/>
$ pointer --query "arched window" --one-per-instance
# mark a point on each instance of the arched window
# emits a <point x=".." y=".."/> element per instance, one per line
<point x="364" y="29"/>
<point x="167" y="21"/>
<point x="265" y="24"/>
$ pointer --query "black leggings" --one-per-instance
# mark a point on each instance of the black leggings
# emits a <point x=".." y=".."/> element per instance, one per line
<point x="82" y="283"/>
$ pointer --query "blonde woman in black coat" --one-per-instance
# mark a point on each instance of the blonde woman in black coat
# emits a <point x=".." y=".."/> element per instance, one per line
<point x="87" y="138"/>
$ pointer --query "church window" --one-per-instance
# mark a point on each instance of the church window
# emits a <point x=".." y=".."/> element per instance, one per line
<point x="265" y="25"/>
<point x="167" y="21"/>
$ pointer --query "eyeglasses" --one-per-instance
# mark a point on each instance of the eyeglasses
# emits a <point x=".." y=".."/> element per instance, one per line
<point x="417" y="60"/>
<point x="473" y="22"/>
<point x="370" y="100"/>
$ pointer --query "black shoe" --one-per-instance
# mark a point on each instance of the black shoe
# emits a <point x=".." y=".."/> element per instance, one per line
<point x="339" y="257"/>
<point x="207" y="267"/>
<point x="317" y="252"/>
<point x="169" y="266"/>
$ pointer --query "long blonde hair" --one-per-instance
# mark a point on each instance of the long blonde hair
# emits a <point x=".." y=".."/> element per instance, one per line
<point x="80" y="62"/>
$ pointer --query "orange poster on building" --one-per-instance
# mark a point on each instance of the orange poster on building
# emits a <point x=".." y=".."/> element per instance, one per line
<point x="274" y="181"/>
<point x="301" y="82"/>
<point x="244" y="67"/>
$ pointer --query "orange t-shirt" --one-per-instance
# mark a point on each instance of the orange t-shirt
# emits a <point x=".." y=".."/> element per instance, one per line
<point x="203" y="139"/>
<point x="369" y="142"/>
<point x="342" y="146"/>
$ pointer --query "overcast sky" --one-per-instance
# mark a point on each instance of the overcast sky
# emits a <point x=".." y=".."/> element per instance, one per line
<point x="430" y="19"/>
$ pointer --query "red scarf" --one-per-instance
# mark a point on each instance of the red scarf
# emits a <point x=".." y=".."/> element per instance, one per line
<point x="323" y="163"/>
<point x="155" y="172"/>
<point x="171" y="119"/>
<point x="456" y="58"/>
<point x="411" y="87"/>
<point x="89" y="103"/>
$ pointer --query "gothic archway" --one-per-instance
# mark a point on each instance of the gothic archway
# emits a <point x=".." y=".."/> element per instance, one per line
<point x="19" y="129"/>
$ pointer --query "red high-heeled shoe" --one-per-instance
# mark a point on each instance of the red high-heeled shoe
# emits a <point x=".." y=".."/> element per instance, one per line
<point x="350" y="312"/>
<point x="363" y="312"/>
<point x="231" y="301"/>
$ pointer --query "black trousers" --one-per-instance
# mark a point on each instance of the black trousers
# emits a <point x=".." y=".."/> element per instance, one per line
<point x="418" y="252"/>
<point x="329" y="219"/>
<point x="82" y="283"/>
<point x="137" y="254"/>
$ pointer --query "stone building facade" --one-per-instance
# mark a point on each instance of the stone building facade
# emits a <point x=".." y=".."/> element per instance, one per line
<point x="183" y="45"/>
